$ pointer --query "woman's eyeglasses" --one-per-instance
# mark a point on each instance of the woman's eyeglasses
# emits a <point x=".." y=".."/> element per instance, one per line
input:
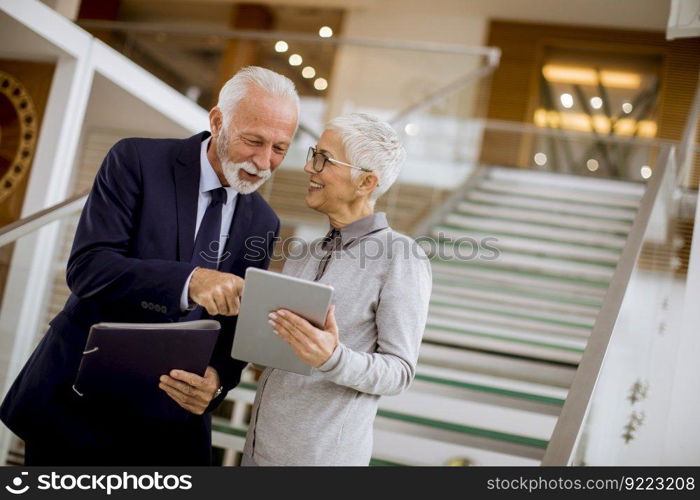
<point x="318" y="161"/>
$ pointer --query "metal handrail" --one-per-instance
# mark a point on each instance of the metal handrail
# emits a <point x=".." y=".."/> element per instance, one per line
<point x="568" y="428"/>
<point x="15" y="230"/>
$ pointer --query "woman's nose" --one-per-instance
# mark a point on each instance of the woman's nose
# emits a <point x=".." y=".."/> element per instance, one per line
<point x="308" y="167"/>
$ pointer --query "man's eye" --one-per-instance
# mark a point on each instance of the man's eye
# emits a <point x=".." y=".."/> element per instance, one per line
<point x="280" y="150"/>
<point x="252" y="142"/>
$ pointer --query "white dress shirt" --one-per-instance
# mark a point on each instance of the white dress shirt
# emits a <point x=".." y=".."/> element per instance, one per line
<point x="208" y="180"/>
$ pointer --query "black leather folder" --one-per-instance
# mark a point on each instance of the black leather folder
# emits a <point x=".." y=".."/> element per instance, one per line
<point x="122" y="364"/>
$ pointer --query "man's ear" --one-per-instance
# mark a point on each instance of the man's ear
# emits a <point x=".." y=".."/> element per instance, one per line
<point x="216" y="121"/>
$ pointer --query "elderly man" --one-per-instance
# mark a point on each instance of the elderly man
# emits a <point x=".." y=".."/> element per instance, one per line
<point x="161" y="238"/>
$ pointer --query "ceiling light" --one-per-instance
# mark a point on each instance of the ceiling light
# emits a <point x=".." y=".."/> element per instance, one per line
<point x="325" y="32"/>
<point x="645" y="171"/>
<point x="567" y="100"/>
<point x="540" y="159"/>
<point x="596" y="102"/>
<point x="281" y="46"/>
<point x="320" y="84"/>
<point x="592" y="165"/>
<point x="308" y="72"/>
<point x="295" y="60"/>
<point x="411" y="129"/>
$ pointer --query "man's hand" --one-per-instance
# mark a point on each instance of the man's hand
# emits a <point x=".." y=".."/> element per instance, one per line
<point x="217" y="292"/>
<point x="312" y="345"/>
<point x="189" y="390"/>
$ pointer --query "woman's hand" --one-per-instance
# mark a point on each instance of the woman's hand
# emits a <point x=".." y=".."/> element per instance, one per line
<point x="312" y="345"/>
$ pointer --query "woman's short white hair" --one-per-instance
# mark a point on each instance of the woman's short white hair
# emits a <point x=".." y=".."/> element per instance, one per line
<point x="373" y="144"/>
<point x="268" y="81"/>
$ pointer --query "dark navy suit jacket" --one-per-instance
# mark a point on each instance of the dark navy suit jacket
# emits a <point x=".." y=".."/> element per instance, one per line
<point x="129" y="262"/>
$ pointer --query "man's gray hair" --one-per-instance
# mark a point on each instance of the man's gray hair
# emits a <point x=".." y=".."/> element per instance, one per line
<point x="373" y="144"/>
<point x="268" y="81"/>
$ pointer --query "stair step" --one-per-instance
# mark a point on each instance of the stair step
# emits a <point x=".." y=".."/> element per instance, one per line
<point x="493" y="422"/>
<point x="485" y="325"/>
<point x="514" y="297"/>
<point x="546" y="192"/>
<point x="613" y="187"/>
<point x="557" y="268"/>
<point x="490" y="225"/>
<point x="513" y="388"/>
<point x="519" y="277"/>
<point x="524" y="348"/>
<point x="550" y="206"/>
<point x="510" y="309"/>
<point x="492" y="364"/>
<point x="544" y="219"/>
<point x="408" y="449"/>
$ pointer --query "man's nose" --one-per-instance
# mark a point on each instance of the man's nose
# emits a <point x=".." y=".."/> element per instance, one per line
<point x="262" y="159"/>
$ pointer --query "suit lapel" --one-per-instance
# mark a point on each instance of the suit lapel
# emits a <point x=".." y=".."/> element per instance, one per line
<point x="187" y="173"/>
<point x="240" y="226"/>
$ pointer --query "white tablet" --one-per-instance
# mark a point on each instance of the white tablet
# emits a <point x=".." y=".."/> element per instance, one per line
<point x="264" y="292"/>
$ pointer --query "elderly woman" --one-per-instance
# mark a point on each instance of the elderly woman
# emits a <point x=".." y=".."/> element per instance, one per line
<point x="369" y="344"/>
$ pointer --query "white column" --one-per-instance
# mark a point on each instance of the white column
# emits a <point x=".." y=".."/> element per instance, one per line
<point x="682" y="437"/>
<point x="30" y="273"/>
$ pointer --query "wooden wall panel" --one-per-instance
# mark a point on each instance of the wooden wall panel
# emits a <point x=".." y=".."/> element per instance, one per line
<point x="514" y="85"/>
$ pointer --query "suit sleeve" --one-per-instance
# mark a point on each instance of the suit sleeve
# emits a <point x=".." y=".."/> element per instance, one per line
<point x="99" y="266"/>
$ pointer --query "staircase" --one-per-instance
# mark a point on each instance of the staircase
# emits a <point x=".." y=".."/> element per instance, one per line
<point x="504" y="335"/>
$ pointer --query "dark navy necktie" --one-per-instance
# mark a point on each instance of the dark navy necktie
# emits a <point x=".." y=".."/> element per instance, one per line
<point x="207" y="242"/>
<point x="206" y="245"/>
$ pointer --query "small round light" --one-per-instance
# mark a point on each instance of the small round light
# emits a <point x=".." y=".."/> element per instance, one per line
<point x="645" y="171"/>
<point x="308" y="72"/>
<point x="567" y="100"/>
<point x="596" y="102"/>
<point x="540" y="159"/>
<point x="325" y="32"/>
<point x="295" y="60"/>
<point x="412" y="129"/>
<point x="627" y="107"/>
<point x="320" y="84"/>
<point x="281" y="46"/>
<point x="592" y="165"/>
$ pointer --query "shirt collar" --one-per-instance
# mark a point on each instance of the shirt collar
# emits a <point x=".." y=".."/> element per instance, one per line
<point x="362" y="227"/>
<point x="208" y="179"/>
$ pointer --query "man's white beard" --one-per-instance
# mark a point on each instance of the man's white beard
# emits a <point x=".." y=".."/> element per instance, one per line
<point x="230" y="169"/>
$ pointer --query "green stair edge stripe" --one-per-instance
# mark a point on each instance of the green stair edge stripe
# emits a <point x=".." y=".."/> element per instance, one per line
<point x="493" y="390"/>
<point x="225" y="429"/>
<point x="513" y="291"/>
<point x="464" y="429"/>
<point x="575" y="281"/>
<point x="513" y="315"/>
<point x="449" y="225"/>
<point x="378" y="462"/>
<point x="500" y="337"/>
<point x="542" y="197"/>
<point x="505" y="218"/>
<point x="544" y="210"/>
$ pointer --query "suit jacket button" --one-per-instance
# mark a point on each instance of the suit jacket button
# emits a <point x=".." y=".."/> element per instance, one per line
<point x="151" y="305"/>
<point x="144" y="304"/>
